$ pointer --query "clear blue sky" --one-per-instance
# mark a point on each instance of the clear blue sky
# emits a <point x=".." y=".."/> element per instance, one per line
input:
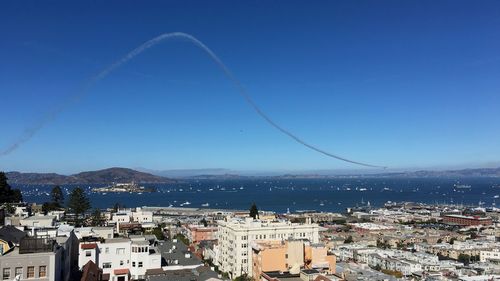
<point x="396" y="83"/>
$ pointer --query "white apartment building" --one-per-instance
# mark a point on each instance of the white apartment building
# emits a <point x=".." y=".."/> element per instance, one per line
<point x="121" y="218"/>
<point x="142" y="216"/>
<point x="121" y="258"/>
<point x="492" y="256"/>
<point x="235" y="237"/>
<point x="143" y="257"/>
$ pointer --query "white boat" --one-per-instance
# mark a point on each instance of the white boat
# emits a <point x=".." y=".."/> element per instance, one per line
<point x="205" y="205"/>
<point x="496" y="196"/>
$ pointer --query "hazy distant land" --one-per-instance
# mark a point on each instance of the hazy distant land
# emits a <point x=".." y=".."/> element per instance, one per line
<point x="128" y="175"/>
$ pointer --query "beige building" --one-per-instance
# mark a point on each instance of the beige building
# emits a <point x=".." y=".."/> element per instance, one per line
<point x="290" y="256"/>
<point x="317" y="257"/>
<point x="277" y="256"/>
<point x="236" y="237"/>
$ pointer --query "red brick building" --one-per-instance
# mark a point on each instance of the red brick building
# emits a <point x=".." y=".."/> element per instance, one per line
<point x="200" y="233"/>
<point x="466" y="220"/>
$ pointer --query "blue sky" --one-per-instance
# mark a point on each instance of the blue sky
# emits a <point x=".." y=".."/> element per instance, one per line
<point x="404" y="84"/>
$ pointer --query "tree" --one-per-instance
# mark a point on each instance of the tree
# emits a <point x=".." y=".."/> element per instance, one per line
<point x="394" y="273"/>
<point x="97" y="219"/>
<point x="57" y="196"/>
<point x="5" y="190"/>
<point x="182" y="238"/>
<point x="204" y="222"/>
<point x="78" y="203"/>
<point x="464" y="258"/>
<point x="158" y="232"/>
<point x="9" y="208"/>
<point x="254" y="212"/>
<point x="243" y="277"/>
<point x="117" y="206"/>
<point x="7" y="194"/>
<point x="452" y="240"/>
<point x="47" y="207"/>
<point x="348" y="240"/>
<point x="16" y="196"/>
<point x="439" y="241"/>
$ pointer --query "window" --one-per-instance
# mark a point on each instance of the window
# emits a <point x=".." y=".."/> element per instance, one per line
<point x="88" y="253"/>
<point x="31" y="272"/>
<point x="133" y="264"/>
<point x="6" y="273"/>
<point x="120" y="251"/>
<point x="42" y="271"/>
<point x="106" y="265"/>
<point x="19" y="271"/>
<point x="121" y="262"/>
<point x="140" y="264"/>
<point x="107" y="250"/>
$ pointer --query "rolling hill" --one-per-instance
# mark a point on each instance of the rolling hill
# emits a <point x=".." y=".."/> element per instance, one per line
<point x="106" y="176"/>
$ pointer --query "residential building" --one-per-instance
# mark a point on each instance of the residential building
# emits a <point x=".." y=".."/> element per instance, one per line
<point x="35" y="258"/>
<point x="38" y="221"/>
<point x="235" y="238"/>
<point x="121" y="258"/>
<point x="142" y="216"/>
<point x="492" y="256"/>
<point x="198" y="233"/>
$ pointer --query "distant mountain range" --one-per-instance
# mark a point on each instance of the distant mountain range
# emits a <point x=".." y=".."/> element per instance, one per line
<point x="479" y="172"/>
<point x="106" y="176"/>
<point x="183" y="173"/>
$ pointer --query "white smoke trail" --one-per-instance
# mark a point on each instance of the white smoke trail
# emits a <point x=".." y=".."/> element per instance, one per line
<point x="29" y="133"/>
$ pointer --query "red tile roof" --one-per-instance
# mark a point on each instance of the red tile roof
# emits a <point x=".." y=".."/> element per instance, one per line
<point x="121" y="271"/>
<point x="88" y="246"/>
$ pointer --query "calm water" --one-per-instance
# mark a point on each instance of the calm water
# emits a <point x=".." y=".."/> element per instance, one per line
<point x="296" y="194"/>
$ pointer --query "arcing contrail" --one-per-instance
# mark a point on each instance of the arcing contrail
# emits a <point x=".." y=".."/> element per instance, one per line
<point x="29" y="133"/>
